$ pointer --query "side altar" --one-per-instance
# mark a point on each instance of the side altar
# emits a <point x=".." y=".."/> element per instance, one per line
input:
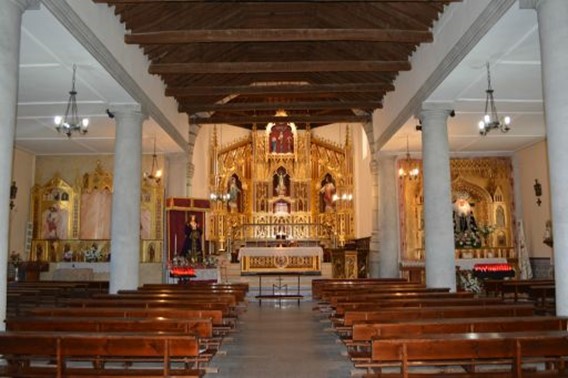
<point x="482" y="210"/>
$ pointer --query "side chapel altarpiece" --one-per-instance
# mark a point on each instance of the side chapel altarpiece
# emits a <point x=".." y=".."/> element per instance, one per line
<point x="281" y="183"/>
<point x="71" y="222"/>
<point x="482" y="209"/>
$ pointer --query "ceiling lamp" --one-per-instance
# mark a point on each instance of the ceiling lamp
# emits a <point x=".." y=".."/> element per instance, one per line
<point x="70" y="122"/>
<point x="156" y="173"/>
<point x="408" y="169"/>
<point x="491" y="119"/>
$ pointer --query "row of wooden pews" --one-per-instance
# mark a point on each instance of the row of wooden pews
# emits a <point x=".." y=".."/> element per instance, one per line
<point x="398" y="329"/>
<point x="155" y="331"/>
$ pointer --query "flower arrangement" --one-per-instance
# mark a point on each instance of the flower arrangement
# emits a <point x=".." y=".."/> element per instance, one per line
<point x="209" y="262"/>
<point x="93" y="254"/>
<point x="467" y="239"/>
<point x="486" y="229"/>
<point x="15" y="259"/>
<point x="468" y="282"/>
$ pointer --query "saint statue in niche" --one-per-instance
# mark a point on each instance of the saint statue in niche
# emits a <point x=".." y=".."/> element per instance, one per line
<point x="281" y="182"/>
<point x="326" y="194"/>
<point x="464" y="219"/>
<point x="234" y="195"/>
<point x="192" y="243"/>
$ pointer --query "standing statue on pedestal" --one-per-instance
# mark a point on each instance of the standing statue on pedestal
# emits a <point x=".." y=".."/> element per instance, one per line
<point x="192" y="243"/>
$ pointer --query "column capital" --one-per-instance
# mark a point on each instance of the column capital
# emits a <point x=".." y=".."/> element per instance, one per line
<point x="431" y="109"/>
<point x="530" y="4"/>
<point x="127" y="109"/>
<point x="25" y="4"/>
<point x="190" y="170"/>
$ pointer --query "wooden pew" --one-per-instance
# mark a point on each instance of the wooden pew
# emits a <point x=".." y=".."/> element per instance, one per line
<point x="201" y="328"/>
<point x="470" y="350"/>
<point x="216" y="316"/>
<point x="518" y="287"/>
<point x="318" y="284"/>
<point x="544" y="297"/>
<point x="377" y="305"/>
<point x="363" y="333"/>
<point x="408" y="313"/>
<point x="147" y="304"/>
<point x="327" y="294"/>
<point x="228" y="299"/>
<point x="21" y="349"/>
<point x="361" y="297"/>
<point x="197" y="292"/>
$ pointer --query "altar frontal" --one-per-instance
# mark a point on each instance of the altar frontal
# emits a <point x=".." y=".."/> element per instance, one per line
<point x="306" y="260"/>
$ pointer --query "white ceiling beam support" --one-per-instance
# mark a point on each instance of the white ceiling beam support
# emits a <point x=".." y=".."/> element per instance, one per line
<point x="460" y="28"/>
<point x="101" y="33"/>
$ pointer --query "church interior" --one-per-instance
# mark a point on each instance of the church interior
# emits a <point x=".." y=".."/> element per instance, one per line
<point x="369" y="176"/>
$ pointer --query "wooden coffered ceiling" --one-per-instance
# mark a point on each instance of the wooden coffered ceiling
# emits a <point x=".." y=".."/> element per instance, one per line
<point x="237" y="62"/>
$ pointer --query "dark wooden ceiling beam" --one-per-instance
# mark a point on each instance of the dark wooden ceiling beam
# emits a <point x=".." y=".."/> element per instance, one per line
<point x="274" y="67"/>
<point x="277" y="89"/>
<point x="278" y="35"/>
<point x="243" y="120"/>
<point x="266" y="1"/>
<point x="307" y="105"/>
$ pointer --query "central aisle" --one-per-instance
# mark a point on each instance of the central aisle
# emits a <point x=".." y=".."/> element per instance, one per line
<point x="287" y="341"/>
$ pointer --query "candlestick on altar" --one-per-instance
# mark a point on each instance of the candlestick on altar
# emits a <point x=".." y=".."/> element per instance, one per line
<point x="175" y="244"/>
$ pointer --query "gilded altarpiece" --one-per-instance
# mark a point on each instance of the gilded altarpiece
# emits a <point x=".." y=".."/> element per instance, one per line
<point x="482" y="210"/>
<point x="71" y="222"/>
<point x="280" y="183"/>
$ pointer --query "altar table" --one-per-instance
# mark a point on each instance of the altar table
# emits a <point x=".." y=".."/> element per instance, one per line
<point x="306" y="260"/>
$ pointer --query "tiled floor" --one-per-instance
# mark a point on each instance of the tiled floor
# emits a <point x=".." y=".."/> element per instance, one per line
<point x="287" y="341"/>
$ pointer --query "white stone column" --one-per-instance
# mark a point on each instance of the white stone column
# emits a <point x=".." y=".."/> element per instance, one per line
<point x="374" y="251"/>
<point x="388" y="219"/>
<point x="438" y="225"/>
<point x="193" y="130"/>
<point x="10" y="26"/>
<point x="125" y="230"/>
<point x="553" y="30"/>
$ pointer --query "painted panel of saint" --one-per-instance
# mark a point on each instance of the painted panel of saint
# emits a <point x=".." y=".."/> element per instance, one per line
<point x="281" y="139"/>
<point x="95" y="215"/>
<point x="54" y="222"/>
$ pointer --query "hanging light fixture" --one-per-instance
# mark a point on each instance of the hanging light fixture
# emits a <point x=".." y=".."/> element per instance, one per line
<point x="156" y="173"/>
<point x="491" y="118"/>
<point x="408" y="169"/>
<point x="70" y="122"/>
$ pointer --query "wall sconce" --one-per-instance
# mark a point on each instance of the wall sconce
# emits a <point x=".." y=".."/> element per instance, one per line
<point x="13" y="193"/>
<point x="537" y="191"/>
